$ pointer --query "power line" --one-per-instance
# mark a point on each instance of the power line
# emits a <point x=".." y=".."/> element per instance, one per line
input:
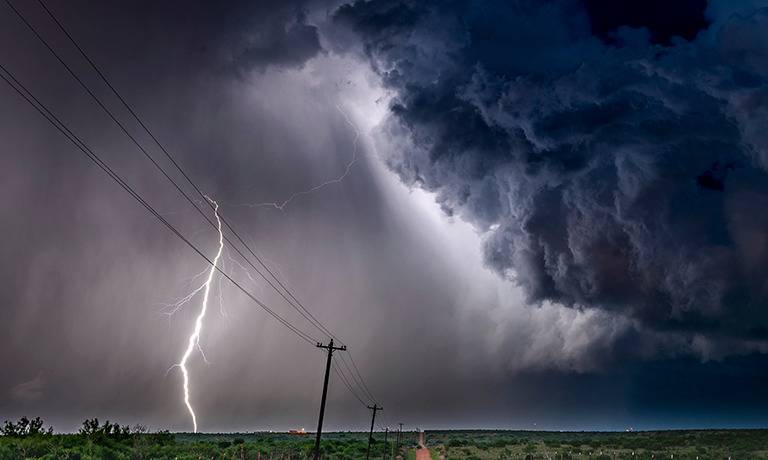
<point x="294" y="301"/>
<point x="305" y="312"/>
<point x="345" y="381"/>
<point x="356" y="379"/>
<point x="41" y="108"/>
<point x="285" y="293"/>
<point x="307" y="316"/>
<point x="362" y="381"/>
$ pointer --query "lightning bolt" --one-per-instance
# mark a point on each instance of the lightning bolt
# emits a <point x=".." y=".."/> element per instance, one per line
<point x="170" y="309"/>
<point x="194" y="338"/>
<point x="280" y="205"/>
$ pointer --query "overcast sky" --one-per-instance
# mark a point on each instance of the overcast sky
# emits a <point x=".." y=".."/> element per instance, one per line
<point x="516" y="214"/>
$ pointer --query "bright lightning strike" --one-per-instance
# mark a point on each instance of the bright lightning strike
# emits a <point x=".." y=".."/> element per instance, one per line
<point x="194" y="338"/>
<point x="280" y="205"/>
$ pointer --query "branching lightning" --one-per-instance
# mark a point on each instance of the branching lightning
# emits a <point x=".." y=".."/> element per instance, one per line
<point x="280" y="205"/>
<point x="170" y="309"/>
<point x="194" y="338"/>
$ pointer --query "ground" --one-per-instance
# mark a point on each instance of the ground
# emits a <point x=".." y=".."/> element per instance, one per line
<point x="434" y="445"/>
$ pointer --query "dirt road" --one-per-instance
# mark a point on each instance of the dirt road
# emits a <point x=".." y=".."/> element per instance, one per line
<point x="422" y="453"/>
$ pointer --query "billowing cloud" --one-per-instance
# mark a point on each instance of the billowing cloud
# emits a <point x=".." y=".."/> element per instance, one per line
<point x="288" y="44"/>
<point x="623" y="171"/>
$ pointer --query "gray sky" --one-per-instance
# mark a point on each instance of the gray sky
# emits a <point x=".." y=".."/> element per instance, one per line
<point x="409" y="258"/>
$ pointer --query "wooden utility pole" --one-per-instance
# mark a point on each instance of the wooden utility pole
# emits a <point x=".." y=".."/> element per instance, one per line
<point x="330" y="349"/>
<point x="399" y="432"/>
<point x="375" y="408"/>
<point x="386" y="446"/>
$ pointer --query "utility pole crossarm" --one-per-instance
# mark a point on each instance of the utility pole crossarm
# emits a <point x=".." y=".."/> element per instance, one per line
<point x="331" y="348"/>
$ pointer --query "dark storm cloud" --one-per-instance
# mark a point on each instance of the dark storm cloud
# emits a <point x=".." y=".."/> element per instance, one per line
<point x="291" y="44"/>
<point x="625" y="174"/>
<point x="663" y="20"/>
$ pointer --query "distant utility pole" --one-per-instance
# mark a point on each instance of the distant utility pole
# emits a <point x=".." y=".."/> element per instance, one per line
<point x="386" y="445"/>
<point x="330" y="349"/>
<point x="399" y="431"/>
<point x="375" y="408"/>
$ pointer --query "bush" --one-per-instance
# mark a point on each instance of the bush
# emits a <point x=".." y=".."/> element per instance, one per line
<point x="25" y="427"/>
<point x="92" y="429"/>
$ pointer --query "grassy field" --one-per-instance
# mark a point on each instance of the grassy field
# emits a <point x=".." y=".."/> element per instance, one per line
<point x="109" y="441"/>
<point x="684" y="444"/>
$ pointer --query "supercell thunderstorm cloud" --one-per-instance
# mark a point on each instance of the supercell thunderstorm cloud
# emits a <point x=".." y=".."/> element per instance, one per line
<point x="626" y="174"/>
<point x="517" y="214"/>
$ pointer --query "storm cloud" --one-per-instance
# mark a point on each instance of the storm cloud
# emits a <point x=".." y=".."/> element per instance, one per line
<point x="618" y="166"/>
<point x="599" y="180"/>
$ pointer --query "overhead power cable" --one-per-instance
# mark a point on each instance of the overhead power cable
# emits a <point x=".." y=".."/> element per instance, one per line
<point x="345" y="380"/>
<point x="293" y="301"/>
<point x="133" y="139"/>
<point x="31" y="99"/>
<point x="356" y="378"/>
<point x="284" y="291"/>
